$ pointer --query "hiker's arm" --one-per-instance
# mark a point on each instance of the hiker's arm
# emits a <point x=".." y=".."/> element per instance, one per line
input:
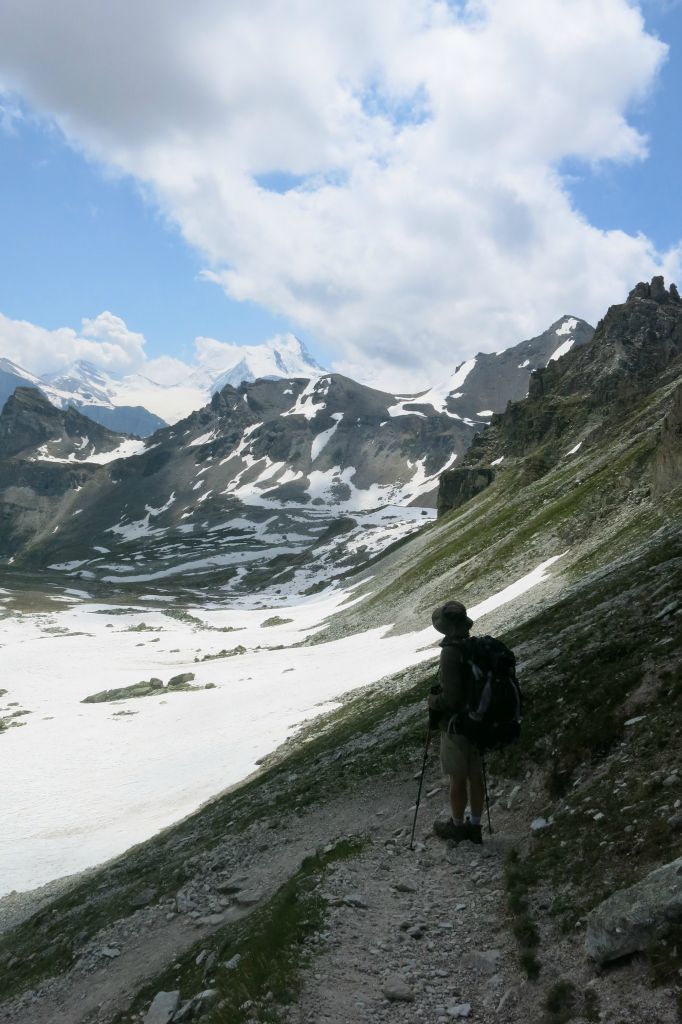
<point x="451" y="676"/>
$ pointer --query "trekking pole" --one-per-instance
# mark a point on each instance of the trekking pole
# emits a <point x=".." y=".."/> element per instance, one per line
<point x="485" y="789"/>
<point x="421" y="782"/>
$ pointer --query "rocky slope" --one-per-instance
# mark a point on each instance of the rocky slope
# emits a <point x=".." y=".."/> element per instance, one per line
<point x="296" y="897"/>
<point x="48" y="457"/>
<point x="283" y="484"/>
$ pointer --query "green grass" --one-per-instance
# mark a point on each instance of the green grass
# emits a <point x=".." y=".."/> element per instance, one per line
<point x="604" y="780"/>
<point x="519" y="876"/>
<point x="271" y="944"/>
<point x="570" y="504"/>
<point x="560" y="1002"/>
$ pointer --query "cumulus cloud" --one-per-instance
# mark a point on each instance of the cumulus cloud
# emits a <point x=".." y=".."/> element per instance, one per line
<point x="386" y="173"/>
<point x="104" y="340"/>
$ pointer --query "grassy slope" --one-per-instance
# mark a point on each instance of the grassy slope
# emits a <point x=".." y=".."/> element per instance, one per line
<point x="604" y="650"/>
<point x="593" y="506"/>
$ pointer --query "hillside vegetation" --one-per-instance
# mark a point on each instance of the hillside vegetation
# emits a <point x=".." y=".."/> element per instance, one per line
<point x="285" y="900"/>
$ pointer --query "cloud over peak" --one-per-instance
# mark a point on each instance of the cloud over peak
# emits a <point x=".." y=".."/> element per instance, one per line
<point x="104" y="340"/>
<point x="384" y="173"/>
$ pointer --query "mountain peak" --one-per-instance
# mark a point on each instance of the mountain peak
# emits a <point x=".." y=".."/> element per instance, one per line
<point x="656" y="291"/>
<point x="285" y="355"/>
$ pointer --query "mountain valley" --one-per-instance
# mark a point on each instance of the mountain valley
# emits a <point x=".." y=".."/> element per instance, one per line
<point x="294" y="895"/>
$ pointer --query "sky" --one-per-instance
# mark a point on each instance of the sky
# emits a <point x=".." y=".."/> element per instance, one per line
<point x="401" y="183"/>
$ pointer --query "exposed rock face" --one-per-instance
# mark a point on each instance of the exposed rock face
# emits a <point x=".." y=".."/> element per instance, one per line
<point x="632" y="346"/>
<point x="497" y="378"/>
<point x="32" y="489"/>
<point x="667" y="471"/>
<point x="29" y="420"/>
<point x="460" y="485"/>
<point x="630" y="919"/>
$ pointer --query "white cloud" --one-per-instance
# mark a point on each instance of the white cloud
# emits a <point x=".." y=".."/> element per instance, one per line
<point x="104" y="340"/>
<point x="424" y="138"/>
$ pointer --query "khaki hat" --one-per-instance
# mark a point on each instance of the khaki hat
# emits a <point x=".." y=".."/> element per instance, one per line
<point x="447" y="617"/>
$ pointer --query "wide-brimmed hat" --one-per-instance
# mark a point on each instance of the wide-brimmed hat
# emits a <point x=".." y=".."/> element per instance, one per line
<point x="449" y="616"/>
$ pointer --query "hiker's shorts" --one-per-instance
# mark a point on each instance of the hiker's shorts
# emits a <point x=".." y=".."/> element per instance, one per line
<point x="458" y="757"/>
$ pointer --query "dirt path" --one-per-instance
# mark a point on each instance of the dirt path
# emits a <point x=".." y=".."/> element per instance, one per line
<point x="409" y="936"/>
<point x="98" y="986"/>
<point x="427" y="927"/>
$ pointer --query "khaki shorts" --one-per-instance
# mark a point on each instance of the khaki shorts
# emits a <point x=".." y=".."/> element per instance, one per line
<point x="458" y="757"/>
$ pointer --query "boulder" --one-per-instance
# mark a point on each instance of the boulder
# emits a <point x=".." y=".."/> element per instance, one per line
<point x="482" y="961"/>
<point x="630" y="919"/>
<point x="162" y="1008"/>
<point x="179" y="680"/>
<point x="396" y="990"/>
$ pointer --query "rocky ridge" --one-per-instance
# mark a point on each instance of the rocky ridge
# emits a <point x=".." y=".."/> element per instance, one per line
<point x="276" y="486"/>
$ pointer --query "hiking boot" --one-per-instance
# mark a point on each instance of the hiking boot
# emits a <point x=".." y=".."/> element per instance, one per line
<point x="473" y="833"/>
<point x="448" y="830"/>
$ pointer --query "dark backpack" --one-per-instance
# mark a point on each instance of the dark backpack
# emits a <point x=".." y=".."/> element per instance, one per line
<point x="493" y="715"/>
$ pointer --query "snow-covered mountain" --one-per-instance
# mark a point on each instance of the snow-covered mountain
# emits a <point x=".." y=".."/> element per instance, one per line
<point x="136" y="404"/>
<point x="103" y="398"/>
<point x="119" y="403"/>
<point x="282" y="356"/>
<point x="276" y="484"/>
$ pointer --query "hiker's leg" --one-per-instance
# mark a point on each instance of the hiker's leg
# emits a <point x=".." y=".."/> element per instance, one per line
<point x="476" y="790"/>
<point x="458" y="796"/>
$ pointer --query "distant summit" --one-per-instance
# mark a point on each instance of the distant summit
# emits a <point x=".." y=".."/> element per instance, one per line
<point x="282" y="356"/>
<point x="135" y="404"/>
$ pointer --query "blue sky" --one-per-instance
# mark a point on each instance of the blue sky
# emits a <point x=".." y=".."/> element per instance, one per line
<point x="358" y="200"/>
<point x="645" y="196"/>
<point x="77" y="239"/>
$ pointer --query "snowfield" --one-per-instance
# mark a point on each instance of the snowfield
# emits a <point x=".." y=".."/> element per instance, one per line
<point x="83" y="782"/>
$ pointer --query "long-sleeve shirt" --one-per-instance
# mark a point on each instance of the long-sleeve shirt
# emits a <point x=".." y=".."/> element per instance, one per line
<point x="453" y="677"/>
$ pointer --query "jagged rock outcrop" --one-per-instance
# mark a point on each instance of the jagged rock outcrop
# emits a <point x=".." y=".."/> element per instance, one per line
<point x="632" y="346"/>
<point x="458" y="486"/>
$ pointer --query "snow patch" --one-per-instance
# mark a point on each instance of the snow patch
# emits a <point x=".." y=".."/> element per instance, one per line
<point x="567" y="326"/>
<point x="562" y="350"/>
<point x="304" y="404"/>
<point x="204" y="439"/>
<point x="323" y="437"/>
<point x="514" y="589"/>
<point x="437" y="396"/>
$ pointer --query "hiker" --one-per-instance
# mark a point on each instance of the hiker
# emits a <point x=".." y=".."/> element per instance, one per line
<point x="460" y="759"/>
